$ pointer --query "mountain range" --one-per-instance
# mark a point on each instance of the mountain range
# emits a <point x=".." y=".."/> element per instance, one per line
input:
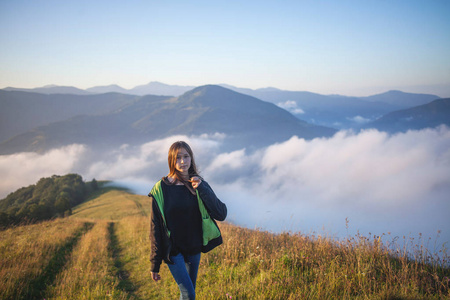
<point x="24" y="111"/>
<point x="107" y="116"/>
<point x="124" y="119"/>
<point x="397" y="99"/>
<point x="341" y="112"/>
<point x="152" y="88"/>
<point x="428" y="115"/>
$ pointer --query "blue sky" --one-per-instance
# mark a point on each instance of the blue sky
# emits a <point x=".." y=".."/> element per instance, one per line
<point x="352" y="48"/>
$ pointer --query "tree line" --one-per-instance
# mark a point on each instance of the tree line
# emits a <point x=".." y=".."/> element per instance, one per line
<point x="49" y="198"/>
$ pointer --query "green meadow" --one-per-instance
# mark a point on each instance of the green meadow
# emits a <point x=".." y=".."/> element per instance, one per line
<point x="102" y="251"/>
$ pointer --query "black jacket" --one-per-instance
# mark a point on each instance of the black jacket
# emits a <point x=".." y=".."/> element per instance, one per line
<point x="159" y="236"/>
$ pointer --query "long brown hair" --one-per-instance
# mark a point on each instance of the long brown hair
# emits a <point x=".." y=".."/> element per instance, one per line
<point x="172" y="159"/>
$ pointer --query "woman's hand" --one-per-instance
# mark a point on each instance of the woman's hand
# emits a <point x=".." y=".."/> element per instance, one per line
<point x="156" y="277"/>
<point x="195" y="181"/>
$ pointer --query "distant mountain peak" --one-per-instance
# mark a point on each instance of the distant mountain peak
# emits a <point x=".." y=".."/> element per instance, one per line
<point x="213" y="89"/>
<point x="158" y="88"/>
<point x="159" y="83"/>
<point x="401" y="93"/>
<point x="401" y="99"/>
<point x="112" y="88"/>
<point x="269" y="89"/>
<point x="205" y="90"/>
<point x="210" y="87"/>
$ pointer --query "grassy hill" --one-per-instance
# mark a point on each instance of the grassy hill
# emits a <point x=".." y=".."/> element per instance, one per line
<point x="102" y="252"/>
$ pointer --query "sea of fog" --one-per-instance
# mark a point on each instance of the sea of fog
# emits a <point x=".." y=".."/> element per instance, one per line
<point x="372" y="183"/>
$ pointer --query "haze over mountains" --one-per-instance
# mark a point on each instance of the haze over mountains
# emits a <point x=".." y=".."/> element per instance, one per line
<point x="152" y="88"/>
<point x="107" y="116"/>
<point x="23" y="111"/>
<point x="336" y="111"/>
<point x="246" y="121"/>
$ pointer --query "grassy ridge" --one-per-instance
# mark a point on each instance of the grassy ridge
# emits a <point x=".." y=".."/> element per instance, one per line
<point x="102" y="251"/>
<point x="89" y="271"/>
<point x="31" y="256"/>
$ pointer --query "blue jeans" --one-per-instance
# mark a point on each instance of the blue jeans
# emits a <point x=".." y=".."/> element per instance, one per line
<point x="184" y="271"/>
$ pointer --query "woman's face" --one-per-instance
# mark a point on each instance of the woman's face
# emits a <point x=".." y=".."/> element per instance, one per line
<point x="183" y="162"/>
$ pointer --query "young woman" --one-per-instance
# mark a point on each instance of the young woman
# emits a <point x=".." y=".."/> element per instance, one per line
<point x="182" y="226"/>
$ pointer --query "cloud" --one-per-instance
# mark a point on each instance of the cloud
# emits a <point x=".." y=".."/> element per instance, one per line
<point x="359" y="119"/>
<point x="398" y="183"/>
<point x="144" y="163"/>
<point x="379" y="170"/>
<point x="233" y="160"/>
<point x="23" y="169"/>
<point x="291" y="106"/>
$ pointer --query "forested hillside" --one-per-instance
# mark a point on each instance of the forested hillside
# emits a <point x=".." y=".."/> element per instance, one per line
<point x="48" y="198"/>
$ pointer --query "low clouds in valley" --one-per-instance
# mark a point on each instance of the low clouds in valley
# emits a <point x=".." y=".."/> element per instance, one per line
<point x="23" y="169"/>
<point x="382" y="183"/>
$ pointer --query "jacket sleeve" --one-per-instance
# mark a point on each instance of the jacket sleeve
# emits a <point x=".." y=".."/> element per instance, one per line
<point x="216" y="208"/>
<point x="156" y="237"/>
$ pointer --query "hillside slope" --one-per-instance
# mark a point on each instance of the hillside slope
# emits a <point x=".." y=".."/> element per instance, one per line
<point x="24" y="111"/>
<point x="102" y="251"/>
<point x="338" y="111"/>
<point x="424" y="116"/>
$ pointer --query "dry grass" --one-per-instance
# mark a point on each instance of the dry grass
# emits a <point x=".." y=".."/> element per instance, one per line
<point x="31" y="255"/>
<point x="259" y="265"/>
<point x="103" y="253"/>
<point x="113" y="205"/>
<point x="90" y="271"/>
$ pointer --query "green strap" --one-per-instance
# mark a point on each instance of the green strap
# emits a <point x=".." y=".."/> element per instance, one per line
<point x="202" y="207"/>
<point x="159" y="197"/>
